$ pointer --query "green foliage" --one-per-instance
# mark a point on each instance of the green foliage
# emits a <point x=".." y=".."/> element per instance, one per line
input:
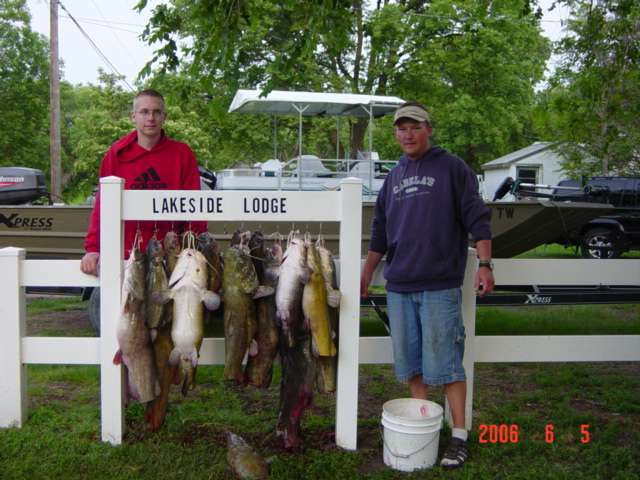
<point x="94" y="118"/>
<point x="594" y="97"/>
<point x="477" y="75"/>
<point x="473" y="63"/>
<point x="24" y="90"/>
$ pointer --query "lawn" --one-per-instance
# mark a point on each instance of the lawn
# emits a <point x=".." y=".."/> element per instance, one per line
<point x="61" y="436"/>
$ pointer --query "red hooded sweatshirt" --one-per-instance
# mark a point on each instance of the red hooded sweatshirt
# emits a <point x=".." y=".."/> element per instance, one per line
<point x="169" y="165"/>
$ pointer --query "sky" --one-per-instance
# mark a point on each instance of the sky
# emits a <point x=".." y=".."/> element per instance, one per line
<point x="115" y="28"/>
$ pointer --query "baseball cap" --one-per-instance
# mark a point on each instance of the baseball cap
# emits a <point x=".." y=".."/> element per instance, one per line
<point x="414" y="112"/>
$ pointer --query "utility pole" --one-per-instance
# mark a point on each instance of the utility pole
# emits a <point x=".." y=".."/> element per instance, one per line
<point x="54" y="96"/>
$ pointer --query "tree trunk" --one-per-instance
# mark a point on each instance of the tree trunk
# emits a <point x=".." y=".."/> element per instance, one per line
<point x="358" y="131"/>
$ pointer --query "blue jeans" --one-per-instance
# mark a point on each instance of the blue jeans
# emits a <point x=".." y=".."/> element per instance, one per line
<point x="427" y="333"/>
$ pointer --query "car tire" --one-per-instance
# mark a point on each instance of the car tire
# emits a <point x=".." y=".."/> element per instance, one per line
<point x="600" y="243"/>
<point x="94" y="310"/>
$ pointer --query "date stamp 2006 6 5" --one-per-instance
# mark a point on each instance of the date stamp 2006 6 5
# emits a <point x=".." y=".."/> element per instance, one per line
<point x="510" y="433"/>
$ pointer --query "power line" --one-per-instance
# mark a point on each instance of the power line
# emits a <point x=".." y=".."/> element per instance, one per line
<point x="101" y="24"/>
<point x="95" y="47"/>
<point x="115" y="35"/>
<point x="107" y="21"/>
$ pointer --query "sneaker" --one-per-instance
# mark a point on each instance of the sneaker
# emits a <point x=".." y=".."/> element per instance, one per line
<point x="456" y="454"/>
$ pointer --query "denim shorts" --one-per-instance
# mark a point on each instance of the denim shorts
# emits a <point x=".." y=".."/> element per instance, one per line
<point x="427" y="333"/>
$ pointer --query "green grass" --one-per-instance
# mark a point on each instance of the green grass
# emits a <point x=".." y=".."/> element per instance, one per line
<point x="555" y="250"/>
<point x="539" y="320"/>
<point x="61" y="438"/>
<point x="58" y="304"/>
<point x="559" y="320"/>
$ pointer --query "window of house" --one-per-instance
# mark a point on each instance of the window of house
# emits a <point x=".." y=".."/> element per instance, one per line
<point x="527" y="175"/>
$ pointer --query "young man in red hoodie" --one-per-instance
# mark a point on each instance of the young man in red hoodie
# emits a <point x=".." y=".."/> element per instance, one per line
<point x="146" y="159"/>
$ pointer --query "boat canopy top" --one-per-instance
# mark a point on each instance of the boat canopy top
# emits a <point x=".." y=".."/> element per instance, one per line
<point x="278" y="102"/>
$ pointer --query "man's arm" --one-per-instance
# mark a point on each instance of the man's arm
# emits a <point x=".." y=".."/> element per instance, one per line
<point x="370" y="264"/>
<point x="90" y="261"/>
<point x="484" y="282"/>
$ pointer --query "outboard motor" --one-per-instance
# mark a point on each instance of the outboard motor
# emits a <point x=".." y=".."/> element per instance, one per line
<point x="505" y="187"/>
<point x="207" y="179"/>
<point x="21" y="185"/>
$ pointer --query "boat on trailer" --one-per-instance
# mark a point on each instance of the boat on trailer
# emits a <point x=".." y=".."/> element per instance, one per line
<point x="306" y="171"/>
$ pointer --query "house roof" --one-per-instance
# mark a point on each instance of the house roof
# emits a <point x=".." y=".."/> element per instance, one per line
<point x="521" y="154"/>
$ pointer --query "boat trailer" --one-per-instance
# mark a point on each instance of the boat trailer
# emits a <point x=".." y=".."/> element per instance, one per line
<point x="533" y="296"/>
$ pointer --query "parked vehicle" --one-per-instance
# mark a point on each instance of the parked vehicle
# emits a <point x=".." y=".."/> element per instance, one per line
<point x="606" y="236"/>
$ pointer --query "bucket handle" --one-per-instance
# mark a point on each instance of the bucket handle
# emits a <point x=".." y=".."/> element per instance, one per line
<point x="408" y="454"/>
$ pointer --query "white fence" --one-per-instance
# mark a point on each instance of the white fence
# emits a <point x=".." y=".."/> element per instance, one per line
<point x="18" y="350"/>
<point x="531" y="348"/>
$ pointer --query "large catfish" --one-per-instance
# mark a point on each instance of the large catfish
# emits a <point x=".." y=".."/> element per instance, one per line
<point x="326" y="368"/>
<point x="133" y="335"/>
<point x="172" y="250"/>
<point x="187" y="288"/>
<point x="298" y="377"/>
<point x="259" y="369"/>
<point x="328" y="272"/>
<point x="293" y="275"/>
<point x="209" y="247"/>
<point x="239" y="284"/>
<point x="316" y="308"/>
<point x="157" y="281"/>
<point x="162" y="346"/>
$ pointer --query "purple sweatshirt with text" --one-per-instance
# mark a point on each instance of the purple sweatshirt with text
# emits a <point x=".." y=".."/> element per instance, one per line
<point x="423" y="216"/>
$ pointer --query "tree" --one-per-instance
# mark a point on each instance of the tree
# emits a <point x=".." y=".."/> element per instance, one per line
<point x="24" y="90"/>
<point x="594" y="97"/>
<point x="94" y="116"/>
<point x="479" y="74"/>
<point x="485" y="57"/>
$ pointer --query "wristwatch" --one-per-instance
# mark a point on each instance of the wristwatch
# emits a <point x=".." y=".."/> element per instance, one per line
<point x="485" y="263"/>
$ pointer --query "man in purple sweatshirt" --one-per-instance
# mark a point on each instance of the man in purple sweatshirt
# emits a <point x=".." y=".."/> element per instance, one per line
<point x="426" y="209"/>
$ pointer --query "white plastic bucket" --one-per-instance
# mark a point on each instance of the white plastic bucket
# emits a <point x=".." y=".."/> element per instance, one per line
<point x="411" y="432"/>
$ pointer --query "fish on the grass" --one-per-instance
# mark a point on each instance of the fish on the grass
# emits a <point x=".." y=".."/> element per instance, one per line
<point x="246" y="463"/>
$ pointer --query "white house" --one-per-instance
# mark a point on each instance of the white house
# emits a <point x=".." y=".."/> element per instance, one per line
<point x="537" y="163"/>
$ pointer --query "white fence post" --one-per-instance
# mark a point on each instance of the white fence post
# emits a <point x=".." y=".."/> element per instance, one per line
<point x="349" y="335"/>
<point x="13" y="375"/>
<point x="469" y="319"/>
<point x="111" y="376"/>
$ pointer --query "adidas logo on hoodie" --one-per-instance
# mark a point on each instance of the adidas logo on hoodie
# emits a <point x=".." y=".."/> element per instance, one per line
<point x="149" y="180"/>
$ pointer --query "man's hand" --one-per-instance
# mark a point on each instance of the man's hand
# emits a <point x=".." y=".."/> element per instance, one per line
<point x="365" y="280"/>
<point x="89" y="263"/>
<point x="370" y="264"/>
<point x="484" y="281"/>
